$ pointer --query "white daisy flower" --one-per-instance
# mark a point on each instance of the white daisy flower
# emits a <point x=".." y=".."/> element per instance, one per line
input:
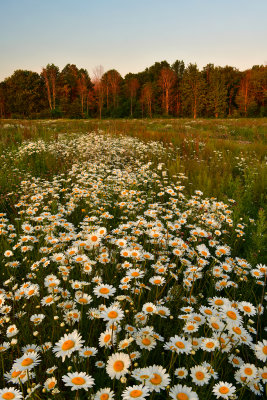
<point x="107" y="338"/>
<point x="248" y="372"/>
<point x="9" y="393"/>
<point x="181" y="372"/>
<point x="112" y="313"/>
<point x="223" y="390"/>
<point x="135" y="392"/>
<point x="260" y="350"/>
<point x="180" y="392"/>
<point x="78" y="380"/>
<point x="104" y="394"/>
<point x="68" y="344"/>
<point x="50" y="383"/>
<point x="27" y="361"/>
<point x="105" y="291"/>
<point x="200" y="375"/>
<point x="117" y="365"/>
<point x="178" y="344"/>
<point x="160" y="379"/>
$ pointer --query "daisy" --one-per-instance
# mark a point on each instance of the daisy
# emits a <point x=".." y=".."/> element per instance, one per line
<point x="180" y="392"/>
<point x="100" y="364"/>
<point x="78" y="380"/>
<point x="200" y="375"/>
<point x="181" y="373"/>
<point x="263" y="374"/>
<point x="11" y="331"/>
<point x="149" y="308"/>
<point x="104" y="291"/>
<point x="260" y="350"/>
<point x="50" y="383"/>
<point x="117" y="365"/>
<point x="223" y="390"/>
<point x="159" y="380"/>
<point x="135" y="392"/>
<point x="68" y="344"/>
<point x="112" y="313"/>
<point x="231" y="315"/>
<point x="236" y="361"/>
<point x="248" y="372"/>
<point x="147" y="342"/>
<point x="4" y="346"/>
<point x="10" y="393"/>
<point x="209" y="344"/>
<point x="157" y="280"/>
<point x="37" y="318"/>
<point x="94" y="239"/>
<point x="104" y="394"/>
<point x="88" y="352"/>
<point x="178" y="344"/>
<point x="256" y="388"/>
<point x="247" y="308"/>
<point x="27" y="361"/>
<point x="190" y="327"/>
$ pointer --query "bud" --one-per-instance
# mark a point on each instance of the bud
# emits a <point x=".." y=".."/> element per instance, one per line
<point x="35" y="333"/>
<point x="56" y="317"/>
<point x="70" y="368"/>
<point x="123" y="379"/>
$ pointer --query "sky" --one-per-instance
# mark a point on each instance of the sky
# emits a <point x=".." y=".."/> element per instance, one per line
<point x="130" y="35"/>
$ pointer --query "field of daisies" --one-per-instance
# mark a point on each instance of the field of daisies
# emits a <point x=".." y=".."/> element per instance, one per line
<point x="117" y="284"/>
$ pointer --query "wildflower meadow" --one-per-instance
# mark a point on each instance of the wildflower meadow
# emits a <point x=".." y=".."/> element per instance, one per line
<point x="132" y="260"/>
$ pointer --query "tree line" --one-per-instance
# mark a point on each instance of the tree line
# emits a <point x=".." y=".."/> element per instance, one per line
<point x="163" y="89"/>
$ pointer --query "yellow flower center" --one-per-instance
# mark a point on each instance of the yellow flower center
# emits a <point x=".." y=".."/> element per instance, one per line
<point x="15" y="374"/>
<point x="78" y="380"/>
<point x="51" y="385"/>
<point x="104" y="396"/>
<point x="200" y="376"/>
<point x="104" y="290"/>
<point x="88" y="353"/>
<point x="8" y="396"/>
<point x="190" y="327"/>
<point x="69" y="344"/>
<point x="224" y="390"/>
<point x="231" y="314"/>
<point x="112" y="314"/>
<point x="49" y="299"/>
<point x="156" y="380"/>
<point x="248" y="371"/>
<point x="210" y="345"/>
<point x="149" y="309"/>
<point x="118" y="366"/>
<point x="180" y="345"/>
<point x="214" y="325"/>
<point x="27" y="361"/>
<point x="237" y="330"/>
<point x="107" y="338"/>
<point x="146" y="341"/>
<point x="136" y="393"/>
<point x="182" y="396"/>
<point x="264" y="350"/>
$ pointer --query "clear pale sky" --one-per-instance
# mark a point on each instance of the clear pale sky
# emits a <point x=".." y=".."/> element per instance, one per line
<point x="130" y="35"/>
